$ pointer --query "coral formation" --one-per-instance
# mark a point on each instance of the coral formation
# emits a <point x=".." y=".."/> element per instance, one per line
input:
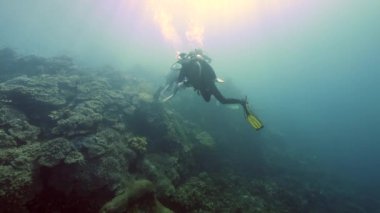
<point x="79" y="141"/>
<point x="15" y="128"/>
<point x="80" y="120"/>
<point x="6" y="141"/>
<point x="138" y="144"/>
<point x="40" y="90"/>
<point x="205" y="139"/>
<point x="19" y="180"/>
<point x="58" y="150"/>
<point x="137" y="192"/>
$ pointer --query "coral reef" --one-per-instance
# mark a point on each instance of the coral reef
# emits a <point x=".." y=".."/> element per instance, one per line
<point x="136" y="193"/>
<point x="80" y="120"/>
<point x="15" y="127"/>
<point x="19" y="180"/>
<point x="205" y="139"/>
<point x="40" y="90"/>
<point x="138" y="144"/>
<point x="58" y="150"/>
<point x="73" y="140"/>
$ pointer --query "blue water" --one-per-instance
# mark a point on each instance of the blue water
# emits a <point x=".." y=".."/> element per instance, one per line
<point x="322" y="93"/>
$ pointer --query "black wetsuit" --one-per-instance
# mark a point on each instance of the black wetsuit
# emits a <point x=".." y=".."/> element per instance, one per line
<point x="200" y="75"/>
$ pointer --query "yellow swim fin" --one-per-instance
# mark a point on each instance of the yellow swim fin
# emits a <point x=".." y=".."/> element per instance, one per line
<point x="251" y="118"/>
<point x="254" y="121"/>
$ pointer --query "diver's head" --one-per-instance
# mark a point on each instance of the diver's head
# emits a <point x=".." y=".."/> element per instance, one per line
<point x="198" y="51"/>
<point x="181" y="55"/>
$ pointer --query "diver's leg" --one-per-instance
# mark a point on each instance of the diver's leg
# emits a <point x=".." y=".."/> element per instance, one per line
<point x="215" y="91"/>
<point x="206" y="95"/>
<point x="157" y="94"/>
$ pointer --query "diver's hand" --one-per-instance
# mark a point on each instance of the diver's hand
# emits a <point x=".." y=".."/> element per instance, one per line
<point x="180" y="84"/>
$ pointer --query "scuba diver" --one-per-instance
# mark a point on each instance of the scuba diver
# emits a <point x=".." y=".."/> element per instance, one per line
<point x="193" y="69"/>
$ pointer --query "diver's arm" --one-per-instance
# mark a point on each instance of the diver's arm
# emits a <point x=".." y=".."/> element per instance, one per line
<point x="182" y="80"/>
<point x="181" y="77"/>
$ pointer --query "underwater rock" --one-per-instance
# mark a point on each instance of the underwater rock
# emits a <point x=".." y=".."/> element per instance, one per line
<point x="17" y="187"/>
<point x="111" y="170"/>
<point x="92" y="88"/>
<point x="72" y="136"/>
<point x="137" y="197"/>
<point x="15" y="128"/>
<point x="100" y="144"/>
<point x="82" y="179"/>
<point x="167" y="130"/>
<point x="163" y="170"/>
<point x="78" y="121"/>
<point x="205" y="139"/>
<point x="142" y="98"/>
<point x="56" y="151"/>
<point x="13" y="65"/>
<point x="21" y="130"/>
<point x="94" y="105"/>
<point x="138" y="144"/>
<point x="220" y="193"/>
<point x="100" y="89"/>
<point x="74" y="157"/>
<point x="20" y="157"/>
<point x="193" y="194"/>
<point x="19" y="180"/>
<point x="6" y="141"/>
<point x="111" y="156"/>
<point x="103" y="160"/>
<point x="40" y="92"/>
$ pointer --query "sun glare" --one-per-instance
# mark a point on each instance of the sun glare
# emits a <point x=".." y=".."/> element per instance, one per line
<point x="186" y="22"/>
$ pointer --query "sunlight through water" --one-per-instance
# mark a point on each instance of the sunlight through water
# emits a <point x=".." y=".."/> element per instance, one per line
<point x="188" y="22"/>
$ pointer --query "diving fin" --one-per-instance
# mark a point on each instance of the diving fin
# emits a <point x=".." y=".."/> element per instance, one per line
<point x="254" y="122"/>
<point x="251" y="118"/>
